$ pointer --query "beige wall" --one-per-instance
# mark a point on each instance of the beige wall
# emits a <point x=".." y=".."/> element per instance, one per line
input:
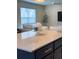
<point x="40" y="10"/>
<point x="52" y="14"/>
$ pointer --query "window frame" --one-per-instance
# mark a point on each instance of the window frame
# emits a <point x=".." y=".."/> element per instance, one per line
<point x="28" y="17"/>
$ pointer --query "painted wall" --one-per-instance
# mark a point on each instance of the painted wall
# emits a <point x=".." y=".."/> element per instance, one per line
<point x="40" y="10"/>
<point x="52" y="14"/>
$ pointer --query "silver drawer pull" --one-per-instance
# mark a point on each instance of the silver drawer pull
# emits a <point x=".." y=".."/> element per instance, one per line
<point x="48" y="50"/>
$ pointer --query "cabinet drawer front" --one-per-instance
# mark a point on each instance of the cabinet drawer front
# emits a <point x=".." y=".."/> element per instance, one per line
<point x="58" y="43"/>
<point x="44" y="51"/>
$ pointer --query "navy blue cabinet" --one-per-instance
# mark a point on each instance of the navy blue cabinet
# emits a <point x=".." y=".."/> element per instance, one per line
<point x="52" y="50"/>
<point x="44" y="51"/>
<point x="48" y="56"/>
<point x="24" y="55"/>
<point x="58" y="49"/>
<point x="58" y="43"/>
<point x="58" y="53"/>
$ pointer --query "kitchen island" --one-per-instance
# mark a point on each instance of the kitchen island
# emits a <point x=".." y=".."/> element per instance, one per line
<point x="33" y="45"/>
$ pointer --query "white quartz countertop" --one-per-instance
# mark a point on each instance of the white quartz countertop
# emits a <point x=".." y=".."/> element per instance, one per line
<point x="29" y="41"/>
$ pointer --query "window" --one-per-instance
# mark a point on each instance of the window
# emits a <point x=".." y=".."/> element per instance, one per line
<point x="28" y="16"/>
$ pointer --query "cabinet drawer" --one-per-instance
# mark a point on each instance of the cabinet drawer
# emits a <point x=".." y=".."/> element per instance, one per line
<point x="58" y="43"/>
<point x="44" y="51"/>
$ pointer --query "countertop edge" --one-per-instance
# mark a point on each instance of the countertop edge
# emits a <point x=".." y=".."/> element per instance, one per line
<point x="39" y="47"/>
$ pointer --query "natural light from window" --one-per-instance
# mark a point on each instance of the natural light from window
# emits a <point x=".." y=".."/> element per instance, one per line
<point x="28" y="16"/>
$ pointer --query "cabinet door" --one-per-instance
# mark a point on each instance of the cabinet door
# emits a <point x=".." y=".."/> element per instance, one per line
<point x="44" y="51"/>
<point x="58" y="43"/>
<point x="58" y="53"/>
<point x="48" y="56"/>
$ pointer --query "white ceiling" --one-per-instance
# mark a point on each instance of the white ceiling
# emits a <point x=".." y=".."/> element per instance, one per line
<point x="47" y="2"/>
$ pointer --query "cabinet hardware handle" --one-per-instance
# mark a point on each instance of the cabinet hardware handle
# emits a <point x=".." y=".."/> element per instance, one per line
<point x="48" y="50"/>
